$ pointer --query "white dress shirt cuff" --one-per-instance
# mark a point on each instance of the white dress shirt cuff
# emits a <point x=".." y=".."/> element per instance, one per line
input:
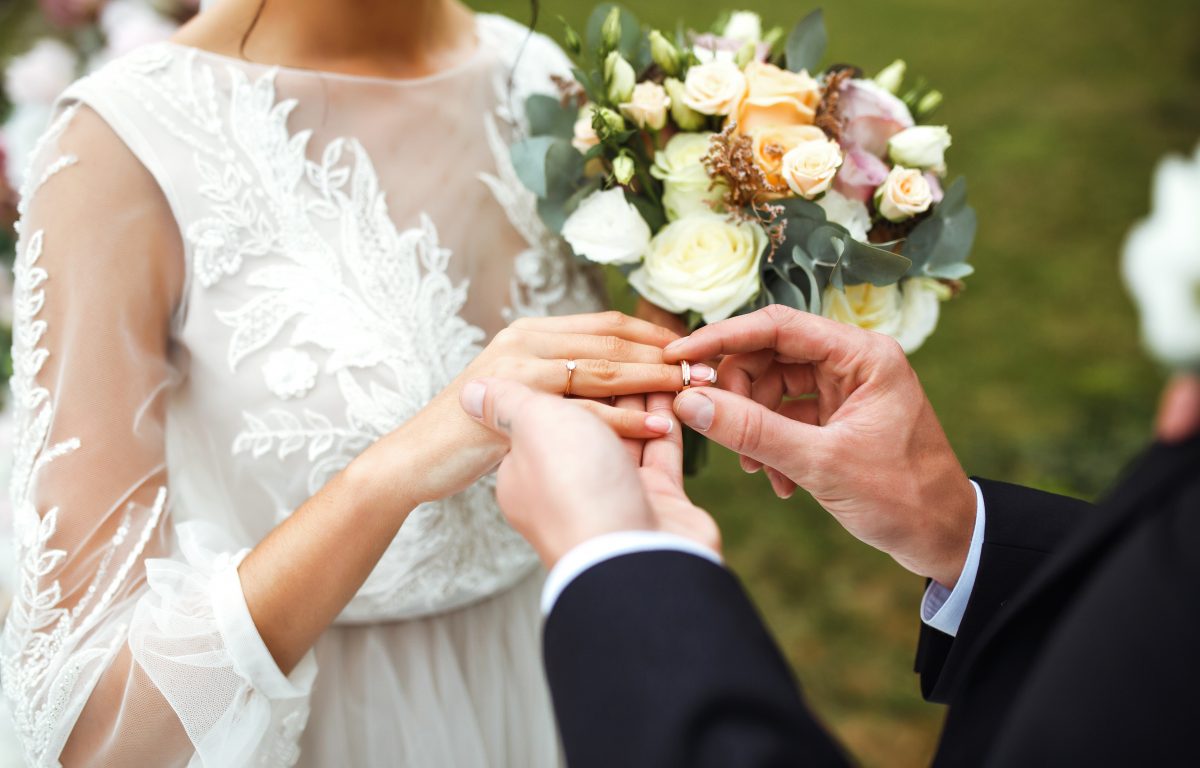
<point x="595" y="551"/>
<point x="943" y="608"/>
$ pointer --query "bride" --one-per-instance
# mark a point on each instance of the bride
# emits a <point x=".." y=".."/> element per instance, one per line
<point x="253" y="522"/>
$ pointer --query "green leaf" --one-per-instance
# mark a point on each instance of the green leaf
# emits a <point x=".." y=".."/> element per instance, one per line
<point x="548" y="117"/>
<point x="632" y="39"/>
<point x="940" y="245"/>
<point x="547" y="165"/>
<point x="652" y="214"/>
<point x="806" y="44"/>
<point x="864" y="263"/>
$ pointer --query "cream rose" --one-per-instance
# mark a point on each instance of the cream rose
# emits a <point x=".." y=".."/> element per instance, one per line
<point x="585" y="135"/>
<point x="771" y="144"/>
<point x="907" y="311"/>
<point x="904" y="194"/>
<point x="687" y="187"/>
<point x="607" y="229"/>
<point x="922" y="146"/>
<point x="706" y="263"/>
<point x="714" y="89"/>
<point x="647" y="107"/>
<point x="808" y="169"/>
<point x="776" y="97"/>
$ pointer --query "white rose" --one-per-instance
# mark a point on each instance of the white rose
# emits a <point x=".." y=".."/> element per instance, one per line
<point x="38" y="76"/>
<point x="1161" y="264"/>
<point x="745" y="26"/>
<point x="714" y="89"/>
<point x="706" y="263"/>
<point x="607" y="229"/>
<point x="585" y="135"/>
<point x="648" y="106"/>
<point x="922" y="146"/>
<point x="904" y="194"/>
<point x="809" y="167"/>
<point x="687" y="187"/>
<point x="907" y="311"/>
<point x="847" y="212"/>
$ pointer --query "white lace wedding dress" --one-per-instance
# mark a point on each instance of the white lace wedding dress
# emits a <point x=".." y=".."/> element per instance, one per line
<point x="231" y="279"/>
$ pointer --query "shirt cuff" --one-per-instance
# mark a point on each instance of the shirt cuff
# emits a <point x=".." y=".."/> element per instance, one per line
<point x="595" y="551"/>
<point x="943" y="608"/>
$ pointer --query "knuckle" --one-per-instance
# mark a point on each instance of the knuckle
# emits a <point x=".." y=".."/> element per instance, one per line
<point x="616" y="347"/>
<point x="507" y="337"/>
<point x="778" y="313"/>
<point x="520" y="324"/>
<point x="605" y="371"/>
<point x="746" y="430"/>
<point x="614" y="318"/>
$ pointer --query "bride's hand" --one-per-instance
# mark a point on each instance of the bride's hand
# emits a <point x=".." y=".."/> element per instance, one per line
<point x="441" y="451"/>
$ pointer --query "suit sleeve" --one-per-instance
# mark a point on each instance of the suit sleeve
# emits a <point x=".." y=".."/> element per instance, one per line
<point x="659" y="659"/>
<point x="1023" y="527"/>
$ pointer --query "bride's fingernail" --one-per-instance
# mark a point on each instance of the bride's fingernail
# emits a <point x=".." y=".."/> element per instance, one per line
<point x="704" y="373"/>
<point x="659" y="424"/>
<point x="472" y="398"/>
<point x="695" y="410"/>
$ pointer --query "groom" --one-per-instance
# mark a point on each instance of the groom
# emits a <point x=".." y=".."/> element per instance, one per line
<point x="1058" y="633"/>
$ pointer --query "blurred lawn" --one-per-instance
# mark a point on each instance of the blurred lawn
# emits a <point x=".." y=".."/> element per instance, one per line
<point x="1059" y="111"/>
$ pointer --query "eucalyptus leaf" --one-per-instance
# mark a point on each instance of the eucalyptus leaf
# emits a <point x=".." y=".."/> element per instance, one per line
<point x="784" y="292"/>
<point x="826" y="245"/>
<point x="806" y="44"/>
<point x="553" y="213"/>
<point x="548" y="117"/>
<point x="864" y="263"/>
<point x="547" y="165"/>
<point x="940" y="245"/>
<point x="529" y="161"/>
<point x="651" y="213"/>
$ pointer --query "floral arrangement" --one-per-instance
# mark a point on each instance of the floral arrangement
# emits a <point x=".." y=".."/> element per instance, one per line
<point x="723" y="172"/>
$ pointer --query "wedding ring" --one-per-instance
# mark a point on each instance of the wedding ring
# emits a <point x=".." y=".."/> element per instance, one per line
<point x="570" y="375"/>
<point x="686" y="367"/>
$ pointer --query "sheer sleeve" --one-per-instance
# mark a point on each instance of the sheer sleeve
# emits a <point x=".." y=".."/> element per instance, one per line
<point x="128" y="641"/>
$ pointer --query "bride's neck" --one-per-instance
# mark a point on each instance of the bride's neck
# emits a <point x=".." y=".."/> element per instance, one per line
<point x="399" y="38"/>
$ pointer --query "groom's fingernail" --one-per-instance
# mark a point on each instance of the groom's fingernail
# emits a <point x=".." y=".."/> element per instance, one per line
<point x="472" y="398"/>
<point x="704" y="373"/>
<point x="674" y="345"/>
<point x="695" y="410"/>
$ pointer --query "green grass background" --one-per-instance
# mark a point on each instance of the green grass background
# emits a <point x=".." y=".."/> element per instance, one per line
<point x="1059" y="112"/>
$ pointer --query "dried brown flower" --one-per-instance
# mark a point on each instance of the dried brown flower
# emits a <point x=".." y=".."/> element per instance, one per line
<point x="829" y="112"/>
<point x="748" y="191"/>
<point x="570" y="92"/>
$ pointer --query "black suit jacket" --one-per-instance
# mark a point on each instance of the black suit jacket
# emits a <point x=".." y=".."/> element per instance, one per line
<point x="1080" y="645"/>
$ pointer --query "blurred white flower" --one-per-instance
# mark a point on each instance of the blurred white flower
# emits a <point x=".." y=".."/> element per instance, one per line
<point x="1161" y="264"/>
<point x="744" y="26"/>
<point x="129" y="24"/>
<point x="39" y="75"/>
<point x="922" y="146"/>
<point x="607" y="229"/>
<point x="849" y="213"/>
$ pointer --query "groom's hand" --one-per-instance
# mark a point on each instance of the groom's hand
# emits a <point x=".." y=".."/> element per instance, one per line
<point x="838" y="411"/>
<point x="568" y="478"/>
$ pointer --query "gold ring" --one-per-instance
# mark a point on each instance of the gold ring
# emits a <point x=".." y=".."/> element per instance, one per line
<point x="686" y="368"/>
<point x="570" y="375"/>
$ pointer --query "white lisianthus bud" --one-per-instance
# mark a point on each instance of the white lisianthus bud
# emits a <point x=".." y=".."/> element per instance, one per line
<point x="808" y="168"/>
<point x="714" y="89"/>
<point x="847" y="212"/>
<point x="929" y="103"/>
<point x="647" y="107"/>
<point x="585" y="134"/>
<point x="664" y="53"/>
<point x="746" y="54"/>
<point x="619" y="78"/>
<point x="922" y="146"/>
<point x="613" y="122"/>
<point x="904" y="194"/>
<point x="705" y="262"/>
<point x="892" y="76"/>
<point x="624" y="169"/>
<point x="607" y="229"/>
<point x="685" y="117"/>
<point x="572" y="41"/>
<point x="744" y="26"/>
<point x="610" y="32"/>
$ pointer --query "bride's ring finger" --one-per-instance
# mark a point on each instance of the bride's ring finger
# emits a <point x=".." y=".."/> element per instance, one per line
<point x="605" y="378"/>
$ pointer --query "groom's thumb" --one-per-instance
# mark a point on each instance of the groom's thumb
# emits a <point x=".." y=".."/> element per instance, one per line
<point x="744" y="426"/>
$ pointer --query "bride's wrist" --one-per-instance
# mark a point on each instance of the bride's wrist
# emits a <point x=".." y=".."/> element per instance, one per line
<point x="385" y="478"/>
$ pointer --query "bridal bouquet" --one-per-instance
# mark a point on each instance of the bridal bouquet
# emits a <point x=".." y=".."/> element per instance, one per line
<point x="724" y="171"/>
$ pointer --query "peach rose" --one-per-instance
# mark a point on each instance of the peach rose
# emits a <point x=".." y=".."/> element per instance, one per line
<point x="772" y="143"/>
<point x="777" y="97"/>
<point x="809" y="168"/>
<point x="904" y="194"/>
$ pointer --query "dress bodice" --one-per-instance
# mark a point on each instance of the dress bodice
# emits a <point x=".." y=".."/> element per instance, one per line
<point x="351" y="243"/>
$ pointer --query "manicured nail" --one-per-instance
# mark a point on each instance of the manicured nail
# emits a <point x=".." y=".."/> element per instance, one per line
<point x="472" y="398"/>
<point x="704" y="373"/>
<point x="695" y="410"/>
<point x="659" y="424"/>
